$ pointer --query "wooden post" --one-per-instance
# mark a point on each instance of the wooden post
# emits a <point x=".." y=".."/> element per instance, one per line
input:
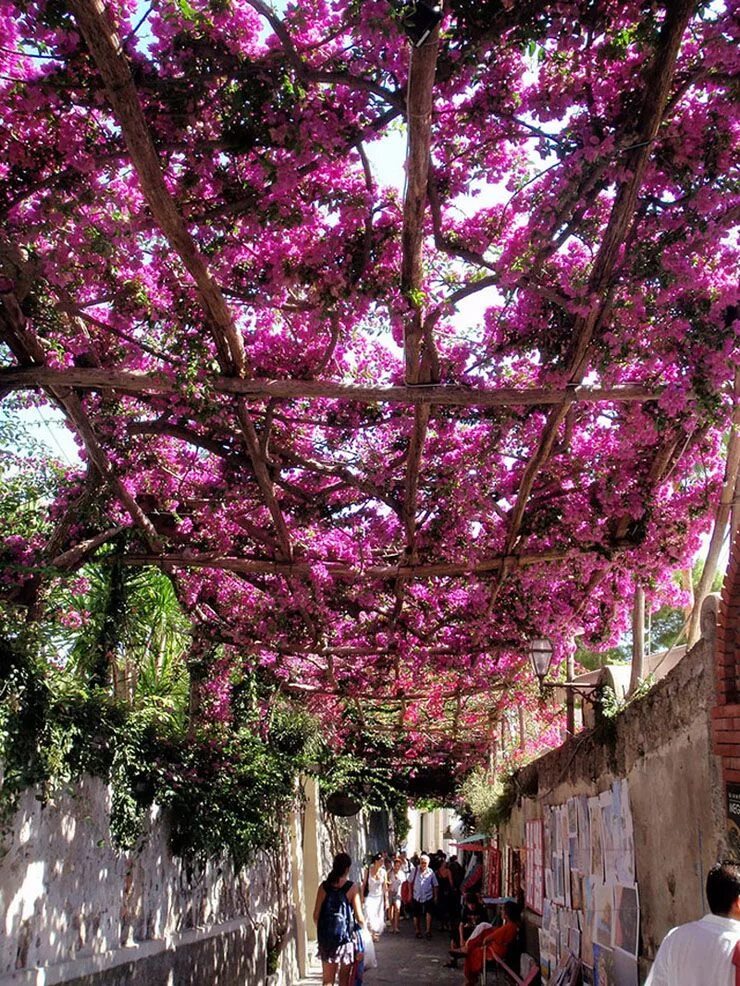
<point x="570" y="698"/>
<point x="638" y="640"/>
<point x="726" y="513"/>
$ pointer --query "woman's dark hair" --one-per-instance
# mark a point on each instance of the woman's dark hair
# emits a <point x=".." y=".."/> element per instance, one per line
<point x="339" y="867"/>
<point x="376" y="857"/>
<point x="512" y="910"/>
<point x="723" y="887"/>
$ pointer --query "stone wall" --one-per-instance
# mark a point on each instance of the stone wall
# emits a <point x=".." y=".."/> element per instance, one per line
<point x="82" y="912"/>
<point x="661" y="744"/>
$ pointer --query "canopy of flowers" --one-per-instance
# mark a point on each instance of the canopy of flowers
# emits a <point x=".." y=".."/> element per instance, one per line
<point x="377" y="437"/>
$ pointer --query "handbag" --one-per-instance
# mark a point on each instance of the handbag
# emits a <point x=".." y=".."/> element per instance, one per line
<point x="407" y="889"/>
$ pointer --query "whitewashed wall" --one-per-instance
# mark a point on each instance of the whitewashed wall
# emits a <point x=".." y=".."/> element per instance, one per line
<point x="72" y="906"/>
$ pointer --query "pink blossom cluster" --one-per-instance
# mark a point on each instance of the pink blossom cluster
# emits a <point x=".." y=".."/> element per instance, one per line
<point x="267" y="129"/>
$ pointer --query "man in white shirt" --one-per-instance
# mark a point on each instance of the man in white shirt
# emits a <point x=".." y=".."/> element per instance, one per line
<point x="704" y="952"/>
<point x="424" y="893"/>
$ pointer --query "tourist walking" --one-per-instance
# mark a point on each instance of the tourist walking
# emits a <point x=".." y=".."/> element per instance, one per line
<point x="376" y="896"/>
<point x="338" y="916"/>
<point x="396" y="880"/>
<point x="424" y="895"/>
<point x="702" y="952"/>
<point x="448" y="907"/>
<point x="458" y="873"/>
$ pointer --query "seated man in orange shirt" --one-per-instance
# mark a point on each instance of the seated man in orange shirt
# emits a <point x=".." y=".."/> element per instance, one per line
<point x="493" y="941"/>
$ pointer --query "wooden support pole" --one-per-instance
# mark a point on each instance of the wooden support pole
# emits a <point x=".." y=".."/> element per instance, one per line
<point x="638" y="640"/>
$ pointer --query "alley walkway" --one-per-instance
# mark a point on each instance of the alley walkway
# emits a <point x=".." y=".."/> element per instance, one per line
<point x="404" y="959"/>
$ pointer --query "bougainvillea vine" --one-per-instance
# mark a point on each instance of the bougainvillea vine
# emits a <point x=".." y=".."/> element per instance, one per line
<point x="377" y="440"/>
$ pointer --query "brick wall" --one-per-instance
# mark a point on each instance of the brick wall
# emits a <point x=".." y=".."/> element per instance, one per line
<point x="726" y="714"/>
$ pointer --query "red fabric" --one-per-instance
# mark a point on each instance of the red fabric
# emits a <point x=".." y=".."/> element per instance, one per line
<point x="495" y="941"/>
<point x="472" y="881"/>
<point x="736" y="963"/>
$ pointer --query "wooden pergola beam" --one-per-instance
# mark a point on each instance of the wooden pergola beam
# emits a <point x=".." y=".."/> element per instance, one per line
<point x="258" y="566"/>
<point x="657" y="84"/>
<point x="351" y="650"/>
<point x="445" y="395"/>
<point x="109" y="57"/>
<point x="302" y="688"/>
<point x="105" y="47"/>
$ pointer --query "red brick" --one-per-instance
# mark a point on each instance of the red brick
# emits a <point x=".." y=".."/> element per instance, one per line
<point x="731" y="776"/>
<point x="729" y="751"/>
<point x="727" y="710"/>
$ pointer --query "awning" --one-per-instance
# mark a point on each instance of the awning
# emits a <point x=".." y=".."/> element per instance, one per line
<point x="474" y="843"/>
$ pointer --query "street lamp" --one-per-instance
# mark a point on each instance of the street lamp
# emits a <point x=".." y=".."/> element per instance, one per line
<point x="540" y="654"/>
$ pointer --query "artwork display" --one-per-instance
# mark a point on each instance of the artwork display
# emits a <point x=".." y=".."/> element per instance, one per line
<point x="590" y="910"/>
<point x="603" y="912"/>
<point x="625" y="969"/>
<point x="626" y="919"/>
<point x="597" y="856"/>
<point x="535" y="867"/>
<point x="511" y="872"/>
<point x="603" y="966"/>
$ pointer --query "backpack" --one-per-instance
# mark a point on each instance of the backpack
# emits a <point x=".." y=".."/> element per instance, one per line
<point x="336" y="922"/>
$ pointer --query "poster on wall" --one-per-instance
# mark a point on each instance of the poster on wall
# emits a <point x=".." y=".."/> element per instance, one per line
<point x="609" y="848"/>
<point x="587" y="949"/>
<point x="535" y="878"/>
<point x="603" y="913"/>
<point x="584" y="836"/>
<point x="625" y="969"/>
<point x="622" y="834"/>
<point x="594" y="822"/>
<point x="626" y="919"/>
<point x="733" y="819"/>
<point x="603" y="966"/>
<point x="580" y="876"/>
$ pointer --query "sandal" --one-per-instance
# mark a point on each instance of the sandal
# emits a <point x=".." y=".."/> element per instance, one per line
<point x="418" y="934"/>
<point x="452" y="964"/>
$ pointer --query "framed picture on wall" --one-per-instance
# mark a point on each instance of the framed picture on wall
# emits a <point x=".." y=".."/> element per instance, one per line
<point x="535" y="869"/>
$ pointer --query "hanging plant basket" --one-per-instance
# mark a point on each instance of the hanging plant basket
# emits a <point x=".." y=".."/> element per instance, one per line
<point x="341" y="804"/>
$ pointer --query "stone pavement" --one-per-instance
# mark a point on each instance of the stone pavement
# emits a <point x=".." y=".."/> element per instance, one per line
<point x="402" y="960"/>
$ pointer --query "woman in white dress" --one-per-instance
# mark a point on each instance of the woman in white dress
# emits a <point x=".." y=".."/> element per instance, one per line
<point x="376" y="896"/>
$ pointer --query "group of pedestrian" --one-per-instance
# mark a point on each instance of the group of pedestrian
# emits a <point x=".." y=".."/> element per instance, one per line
<point x="702" y="953"/>
<point x="351" y="917"/>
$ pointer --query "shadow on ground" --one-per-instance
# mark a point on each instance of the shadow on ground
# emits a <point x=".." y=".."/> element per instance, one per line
<point x="403" y="959"/>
